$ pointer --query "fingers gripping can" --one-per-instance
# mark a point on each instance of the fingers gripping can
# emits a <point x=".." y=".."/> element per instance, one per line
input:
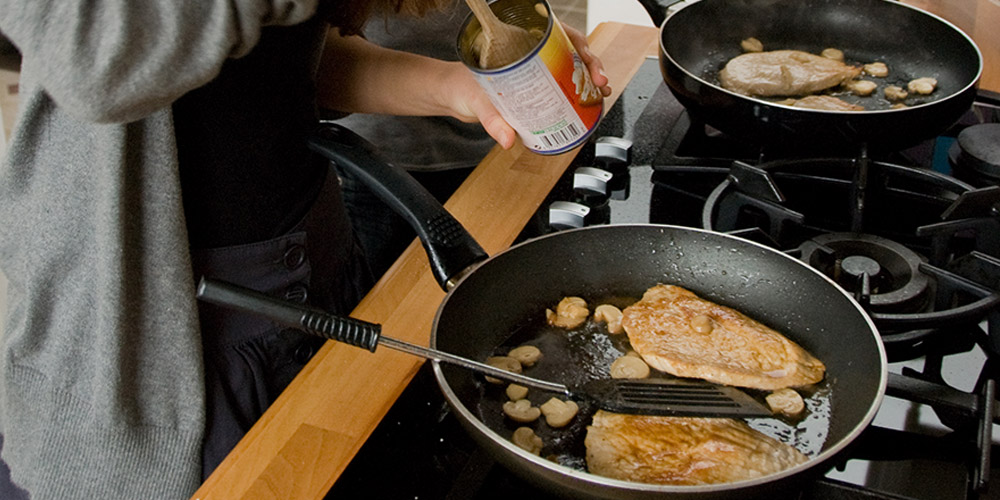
<point x="547" y="96"/>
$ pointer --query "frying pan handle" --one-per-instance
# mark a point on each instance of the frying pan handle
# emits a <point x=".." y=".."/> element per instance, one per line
<point x="317" y="322"/>
<point x="450" y="248"/>
<point x="657" y="9"/>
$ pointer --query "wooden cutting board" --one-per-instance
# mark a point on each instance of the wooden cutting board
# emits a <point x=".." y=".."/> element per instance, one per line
<point x="309" y="435"/>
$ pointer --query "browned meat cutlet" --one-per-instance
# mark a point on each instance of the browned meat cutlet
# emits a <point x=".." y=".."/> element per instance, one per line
<point x="677" y="332"/>
<point x="822" y="102"/>
<point x="784" y="73"/>
<point x="682" y="450"/>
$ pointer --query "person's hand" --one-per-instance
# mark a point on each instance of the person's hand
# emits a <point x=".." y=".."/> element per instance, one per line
<point x="593" y="63"/>
<point x="470" y="103"/>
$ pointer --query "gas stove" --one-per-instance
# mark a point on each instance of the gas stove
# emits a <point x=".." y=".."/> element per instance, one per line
<point x="912" y="234"/>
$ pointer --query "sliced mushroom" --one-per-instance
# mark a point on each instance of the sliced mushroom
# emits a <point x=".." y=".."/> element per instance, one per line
<point x="541" y="10"/>
<point x="629" y="367"/>
<point x="521" y="411"/>
<point x="528" y="355"/>
<point x="786" y="401"/>
<point x="571" y="312"/>
<point x="876" y="69"/>
<point x="526" y="439"/>
<point x="610" y="315"/>
<point x="751" y="45"/>
<point x="895" y="93"/>
<point x="922" y="86"/>
<point x="862" y="88"/>
<point x="515" y="392"/>
<point x="504" y="363"/>
<point x="835" y="54"/>
<point x="558" y="413"/>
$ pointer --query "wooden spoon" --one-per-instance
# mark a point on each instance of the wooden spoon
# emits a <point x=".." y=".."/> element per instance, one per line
<point x="499" y="43"/>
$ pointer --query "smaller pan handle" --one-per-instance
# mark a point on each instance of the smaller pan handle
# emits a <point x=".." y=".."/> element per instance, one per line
<point x="452" y="251"/>
<point x="657" y="9"/>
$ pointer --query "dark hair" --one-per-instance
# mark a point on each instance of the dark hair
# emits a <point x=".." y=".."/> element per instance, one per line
<point x="350" y="16"/>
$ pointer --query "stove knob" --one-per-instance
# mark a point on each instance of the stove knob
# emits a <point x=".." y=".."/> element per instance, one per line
<point x="567" y="215"/>
<point x="613" y="154"/>
<point x="590" y="185"/>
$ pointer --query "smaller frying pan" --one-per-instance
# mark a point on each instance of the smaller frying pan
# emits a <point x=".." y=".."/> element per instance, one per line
<point x="697" y="40"/>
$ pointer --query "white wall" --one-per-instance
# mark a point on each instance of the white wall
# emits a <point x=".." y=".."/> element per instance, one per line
<point x="624" y="11"/>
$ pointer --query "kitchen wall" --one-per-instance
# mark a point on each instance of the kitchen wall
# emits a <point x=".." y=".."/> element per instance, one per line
<point x="627" y="11"/>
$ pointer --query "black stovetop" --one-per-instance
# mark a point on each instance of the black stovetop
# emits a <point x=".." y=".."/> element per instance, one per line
<point x="420" y="451"/>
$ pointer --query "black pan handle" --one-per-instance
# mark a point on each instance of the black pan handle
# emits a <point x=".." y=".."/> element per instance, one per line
<point x="452" y="251"/>
<point x="657" y="9"/>
<point x="315" y="321"/>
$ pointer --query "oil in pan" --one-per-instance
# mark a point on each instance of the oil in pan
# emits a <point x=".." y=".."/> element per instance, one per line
<point x="547" y="95"/>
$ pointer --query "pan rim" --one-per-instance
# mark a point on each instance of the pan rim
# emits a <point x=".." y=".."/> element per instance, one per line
<point x="824" y="456"/>
<point x="954" y="95"/>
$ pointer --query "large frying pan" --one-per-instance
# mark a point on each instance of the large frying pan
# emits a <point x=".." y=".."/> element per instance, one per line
<point x="489" y="298"/>
<point x="698" y="39"/>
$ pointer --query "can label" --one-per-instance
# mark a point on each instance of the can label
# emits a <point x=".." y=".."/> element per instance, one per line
<point x="548" y="96"/>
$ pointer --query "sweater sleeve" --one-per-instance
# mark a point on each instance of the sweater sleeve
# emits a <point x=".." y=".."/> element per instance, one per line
<point x="116" y="61"/>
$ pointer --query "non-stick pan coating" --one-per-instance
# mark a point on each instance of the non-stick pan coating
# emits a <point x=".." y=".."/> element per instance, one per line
<point x="482" y="311"/>
<point x="699" y="39"/>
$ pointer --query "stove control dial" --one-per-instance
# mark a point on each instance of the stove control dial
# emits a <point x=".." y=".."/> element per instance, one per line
<point x="590" y="185"/>
<point x="567" y="215"/>
<point x="613" y="154"/>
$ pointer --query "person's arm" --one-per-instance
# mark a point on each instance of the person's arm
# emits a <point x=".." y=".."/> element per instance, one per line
<point x="357" y="76"/>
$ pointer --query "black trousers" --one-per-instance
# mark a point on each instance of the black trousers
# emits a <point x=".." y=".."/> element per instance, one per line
<point x="249" y="361"/>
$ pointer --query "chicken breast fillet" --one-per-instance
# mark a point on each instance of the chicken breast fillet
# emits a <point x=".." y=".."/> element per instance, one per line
<point x="682" y="450"/>
<point x="823" y="102"/>
<point x="784" y="73"/>
<point x="677" y="332"/>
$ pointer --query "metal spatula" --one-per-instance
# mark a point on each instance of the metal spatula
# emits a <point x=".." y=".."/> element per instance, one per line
<point x="665" y="397"/>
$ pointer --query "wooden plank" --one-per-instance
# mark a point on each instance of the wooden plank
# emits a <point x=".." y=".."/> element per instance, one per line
<point x="309" y="435"/>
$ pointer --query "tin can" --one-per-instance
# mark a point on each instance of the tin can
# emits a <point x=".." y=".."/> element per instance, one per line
<point x="547" y="96"/>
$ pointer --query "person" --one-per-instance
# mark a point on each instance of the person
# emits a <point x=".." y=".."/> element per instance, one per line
<point x="438" y="151"/>
<point x="158" y="142"/>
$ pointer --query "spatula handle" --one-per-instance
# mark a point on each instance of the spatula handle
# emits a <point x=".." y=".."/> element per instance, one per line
<point x="344" y="329"/>
<point x="317" y="322"/>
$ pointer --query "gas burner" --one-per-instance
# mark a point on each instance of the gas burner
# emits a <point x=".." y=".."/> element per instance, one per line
<point x="796" y="200"/>
<point x="884" y="275"/>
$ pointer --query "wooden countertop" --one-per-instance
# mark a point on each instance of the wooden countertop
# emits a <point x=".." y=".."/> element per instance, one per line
<point x="309" y="435"/>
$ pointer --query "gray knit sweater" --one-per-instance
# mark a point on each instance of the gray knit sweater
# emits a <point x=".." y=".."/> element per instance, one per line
<point x="101" y="390"/>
